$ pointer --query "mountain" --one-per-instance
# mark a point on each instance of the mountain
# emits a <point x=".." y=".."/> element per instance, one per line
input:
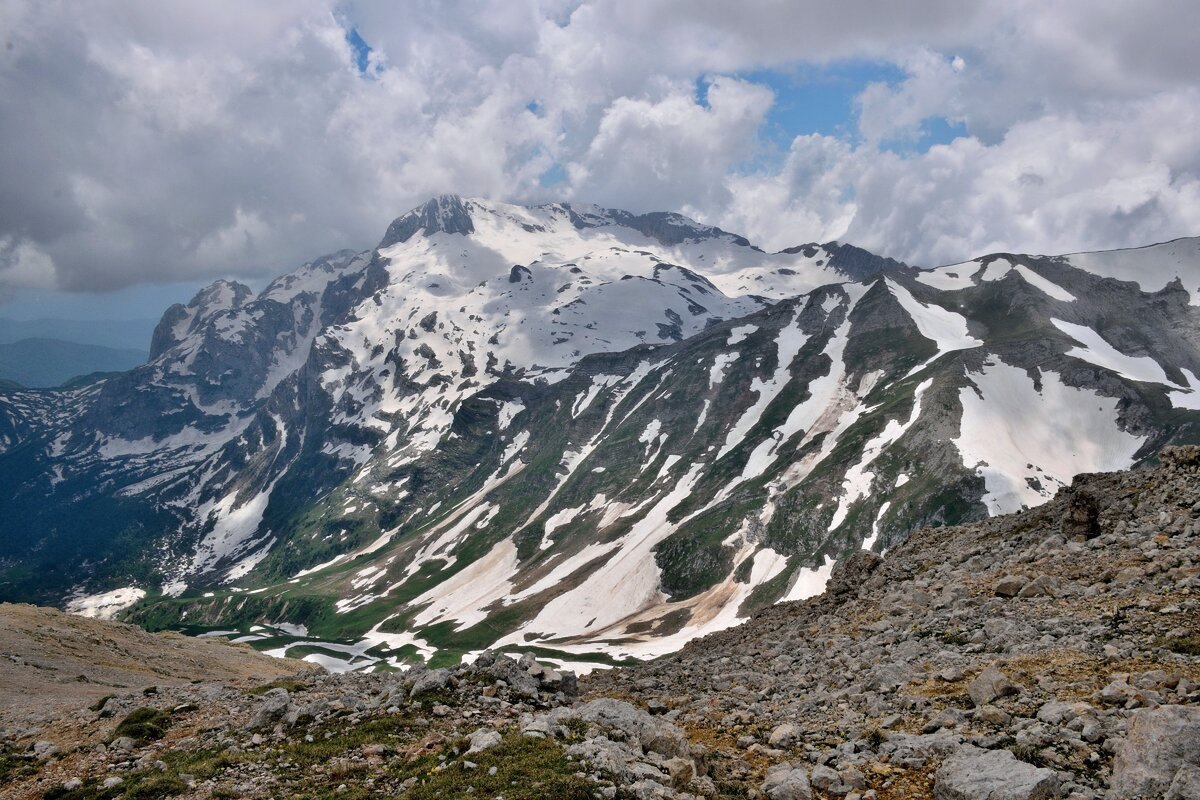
<point x="120" y="334"/>
<point x="577" y="429"/>
<point x="43" y="363"/>
<point x="1052" y="653"/>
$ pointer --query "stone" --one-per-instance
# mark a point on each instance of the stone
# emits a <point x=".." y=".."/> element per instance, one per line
<point x="1010" y="585"/>
<point x="431" y="681"/>
<point x="484" y="739"/>
<point x="787" y="783"/>
<point x="1158" y="743"/>
<point x="989" y="685"/>
<point x="1082" y="520"/>
<point x="275" y="705"/>
<point x="784" y="736"/>
<point x="72" y="784"/>
<point x="1041" y="586"/>
<point x="123" y="744"/>
<point x="972" y="773"/>
<point x="1186" y="785"/>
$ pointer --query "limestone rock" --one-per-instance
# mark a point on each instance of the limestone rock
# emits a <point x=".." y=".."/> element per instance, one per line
<point x="1157" y="744"/>
<point x="973" y="773"/>
<point x="787" y="783"/>
<point x="989" y="685"/>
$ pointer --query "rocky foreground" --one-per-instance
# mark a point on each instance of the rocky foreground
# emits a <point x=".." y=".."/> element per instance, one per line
<point x="1049" y="654"/>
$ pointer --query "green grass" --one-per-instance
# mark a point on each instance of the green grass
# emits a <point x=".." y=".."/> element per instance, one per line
<point x="12" y="766"/>
<point x="526" y="769"/>
<point x="283" y="683"/>
<point x="1184" y="645"/>
<point x="143" y="725"/>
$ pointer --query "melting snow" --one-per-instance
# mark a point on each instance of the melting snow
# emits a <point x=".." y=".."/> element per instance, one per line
<point x="739" y="333"/>
<point x="1096" y="351"/>
<point x="946" y="329"/>
<point x="810" y="582"/>
<point x="1008" y="426"/>
<point x="1190" y="398"/>
<point x="104" y="605"/>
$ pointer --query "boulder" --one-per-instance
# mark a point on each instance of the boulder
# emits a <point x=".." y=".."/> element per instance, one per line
<point x="483" y="739"/>
<point x="275" y="705"/>
<point x="1186" y="785"/>
<point x="972" y="773"/>
<point x="784" y="736"/>
<point x="431" y="681"/>
<point x="1158" y="744"/>
<point x="1010" y="585"/>
<point x="785" y="782"/>
<point x="988" y="685"/>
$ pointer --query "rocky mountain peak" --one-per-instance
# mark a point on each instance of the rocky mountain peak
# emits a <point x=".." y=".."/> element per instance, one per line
<point x="446" y="213"/>
<point x="178" y="320"/>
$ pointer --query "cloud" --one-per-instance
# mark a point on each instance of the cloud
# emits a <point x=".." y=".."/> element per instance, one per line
<point x="153" y="142"/>
<point x="1050" y="185"/>
<point x="655" y="154"/>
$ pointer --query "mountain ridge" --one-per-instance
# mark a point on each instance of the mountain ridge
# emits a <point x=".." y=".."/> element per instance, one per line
<point x="456" y="440"/>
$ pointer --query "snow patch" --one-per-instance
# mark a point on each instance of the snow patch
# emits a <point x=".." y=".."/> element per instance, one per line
<point x="105" y="605"/>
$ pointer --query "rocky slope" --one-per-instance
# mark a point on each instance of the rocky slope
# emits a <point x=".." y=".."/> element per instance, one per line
<point x="1053" y="653"/>
<point x="576" y="429"/>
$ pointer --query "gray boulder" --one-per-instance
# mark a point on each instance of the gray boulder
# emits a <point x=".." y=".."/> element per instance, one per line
<point x="785" y="782"/>
<point x="1158" y="744"/>
<point x="431" y="681"/>
<point x="1186" y="785"/>
<point x="654" y="734"/>
<point x="988" y="685"/>
<point x="484" y="739"/>
<point x="275" y="705"/>
<point x="973" y="773"/>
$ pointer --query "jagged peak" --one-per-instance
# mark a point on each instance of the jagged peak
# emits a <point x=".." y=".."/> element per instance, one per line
<point x="852" y="261"/>
<point x="221" y="294"/>
<point x="447" y="213"/>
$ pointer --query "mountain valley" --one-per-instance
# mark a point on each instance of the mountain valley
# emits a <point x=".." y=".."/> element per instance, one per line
<point x="575" y="431"/>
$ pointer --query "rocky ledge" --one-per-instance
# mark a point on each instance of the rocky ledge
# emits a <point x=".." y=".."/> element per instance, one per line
<point x="1053" y="653"/>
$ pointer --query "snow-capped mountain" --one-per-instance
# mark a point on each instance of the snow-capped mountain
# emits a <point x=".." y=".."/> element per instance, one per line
<point x="578" y="429"/>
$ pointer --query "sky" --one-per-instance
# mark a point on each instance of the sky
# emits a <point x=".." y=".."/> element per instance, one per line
<point x="151" y="146"/>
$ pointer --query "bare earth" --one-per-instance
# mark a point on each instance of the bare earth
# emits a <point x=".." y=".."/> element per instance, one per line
<point x="51" y="661"/>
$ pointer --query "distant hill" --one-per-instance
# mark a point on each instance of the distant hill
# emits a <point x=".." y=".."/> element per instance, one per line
<point x="122" y="334"/>
<point x="44" y="363"/>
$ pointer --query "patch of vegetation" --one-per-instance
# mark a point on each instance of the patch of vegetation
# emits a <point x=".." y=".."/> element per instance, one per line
<point x="99" y="704"/>
<point x="13" y="766"/>
<point x="143" y="725"/>
<point x="1184" y="645"/>
<point x="290" y="684"/>
<point x="1029" y="754"/>
<point x="874" y="738"/>
<point x="526" y="769"/>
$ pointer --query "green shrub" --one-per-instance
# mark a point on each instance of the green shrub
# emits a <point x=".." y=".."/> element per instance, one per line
<point x="144" y="725"/>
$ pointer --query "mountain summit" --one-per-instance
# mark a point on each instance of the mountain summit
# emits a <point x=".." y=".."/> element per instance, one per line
<point x="580" y="429"/>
